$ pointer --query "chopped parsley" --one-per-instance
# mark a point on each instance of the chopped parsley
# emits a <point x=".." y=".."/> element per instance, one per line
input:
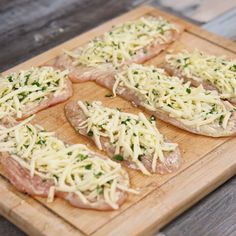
<point x="9" y="78"/>
<point x="22" y="96"/>
<point x="109" y="95"/>
<point x="56" y="177"/>
<point x="98" y="174"/>
<point x="29" y="128"/>
<point x="188" y="90"/>
<point x="213" y="109"/>
<point x="233" y="68"/>
<point x="99" y="190"/>
<point x="27" y="79"/>
<point x="41" y="141"/>
<point x="140" y="157"/>
<point x="118" y="157"/>
<point x="90" y="133"/>
<point x="88" y="167"/>
<point x="125" y="121"/>
<point x="36" y="83"/>
<point x="152" y="118"/>
<point x="221" y="119"/>
<point x="82" y="157"/>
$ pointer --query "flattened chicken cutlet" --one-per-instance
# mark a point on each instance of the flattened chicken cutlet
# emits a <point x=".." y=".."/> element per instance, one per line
<point x="26" y="92"/>
<point x="83" y="178"/>
<point x="135" y="41"/>
<point x="131" y="139"/>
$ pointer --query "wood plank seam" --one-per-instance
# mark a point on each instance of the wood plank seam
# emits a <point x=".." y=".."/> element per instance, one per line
<point x="58" y="215"/>
<point x="217" y="44"/>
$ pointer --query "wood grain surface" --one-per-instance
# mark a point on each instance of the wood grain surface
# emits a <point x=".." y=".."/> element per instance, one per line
<point x="224" y="25"/>
<point x="180" y="225"/>
<point x="201" y="11"/>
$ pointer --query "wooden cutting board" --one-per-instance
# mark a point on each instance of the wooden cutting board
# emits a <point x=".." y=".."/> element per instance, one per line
<point x="207" y="162"/>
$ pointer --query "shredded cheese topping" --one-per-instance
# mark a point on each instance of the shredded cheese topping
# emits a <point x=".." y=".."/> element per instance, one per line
<point x="23" y="90"/>
<point x="192" y="106"/>
<point x="73" y="168"/>
<point x="199" y="66"/>
<point x="122" y="42"/>
<point x="132" y="137"/>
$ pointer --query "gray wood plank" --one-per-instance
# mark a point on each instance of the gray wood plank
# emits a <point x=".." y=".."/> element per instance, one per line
<point x="8" y="229"/>
<point x="201" y="11"/>
<point x="224" y="25"/>
<point x="215" y="215"/>
<point x="30" y="27"/>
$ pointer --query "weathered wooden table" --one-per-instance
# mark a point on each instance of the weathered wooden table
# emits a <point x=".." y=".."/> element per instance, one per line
<point x="29" y="27"/>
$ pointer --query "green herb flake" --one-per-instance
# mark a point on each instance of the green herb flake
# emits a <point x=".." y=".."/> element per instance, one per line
<point x="125" y="121"/>
<point x="118" y="157"/>
<point x="56" y="177"/>
<point x="88" y="167"/>
<point x="26" y="79"/>
<point x="188" y="90"/>
<point x="152" y="118"/>
<point x="221" y="119"/>
<point x="90" y="133"/>
<point x="233" y="68"/>
<point x="140" y="157"/>
<point x="82" y="157"/>
<point x="41" y="142"/>
<point x="9" y="78"/>
<point x="36" y="83"/>
<point x="132" y="146"/>
<point x="99" y="190"/>
<point x="213" y="109"/>
<point x="109" y="95"/>
<point x="98" y="174"/>
<point x="44" y="88"/>
<point x="29" y="128"/>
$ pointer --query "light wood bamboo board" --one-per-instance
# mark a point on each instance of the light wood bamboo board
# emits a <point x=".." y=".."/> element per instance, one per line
<point x="207" y="162"/>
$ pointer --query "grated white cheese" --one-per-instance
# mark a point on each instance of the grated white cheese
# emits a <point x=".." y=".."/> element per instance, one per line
<point x="122" y="42"/>
<point x="20" y="91"/>
<point x="73" y="168"/>
<point x="131" y="137"/>
<point x="192" y="106"/>
<point x="200" y="66"/>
